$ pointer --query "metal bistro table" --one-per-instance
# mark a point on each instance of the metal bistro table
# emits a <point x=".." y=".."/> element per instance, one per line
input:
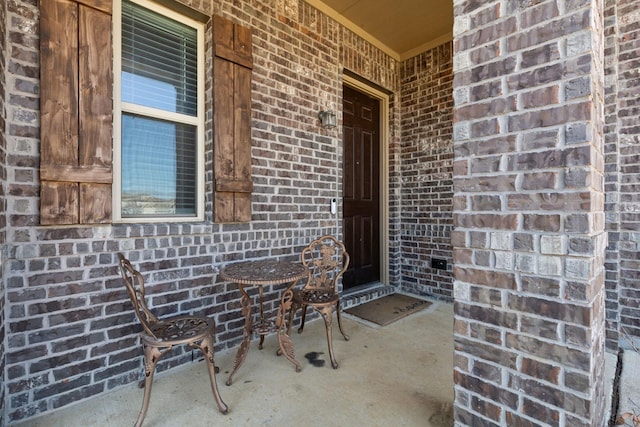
<point x="260" y="273"/>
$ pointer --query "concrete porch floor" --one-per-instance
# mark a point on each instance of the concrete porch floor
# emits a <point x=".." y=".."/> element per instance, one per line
<point x="397" y="375"/>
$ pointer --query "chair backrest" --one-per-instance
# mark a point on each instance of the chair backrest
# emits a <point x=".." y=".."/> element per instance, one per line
<point x="327" y="259"/>
<point x="135" y="287"/>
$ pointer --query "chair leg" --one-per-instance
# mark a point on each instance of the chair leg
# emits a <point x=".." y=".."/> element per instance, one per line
<point x="207" y="349"/>
<point x="302" y="319"/>
<point x="327" y="315"/>
<point x="346" y="337"/>
<point x="151" y="357"/>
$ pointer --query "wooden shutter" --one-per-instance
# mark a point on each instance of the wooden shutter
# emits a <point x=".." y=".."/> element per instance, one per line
<point x="76" y="81"/>
<point x="232" y="121"/>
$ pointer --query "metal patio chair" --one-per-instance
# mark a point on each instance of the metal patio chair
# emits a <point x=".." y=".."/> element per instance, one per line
<point x="326" y="259"/>
<point x="160" y="335"/>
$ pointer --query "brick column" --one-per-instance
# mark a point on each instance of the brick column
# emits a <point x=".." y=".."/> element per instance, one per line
<point x="529" y="237"/>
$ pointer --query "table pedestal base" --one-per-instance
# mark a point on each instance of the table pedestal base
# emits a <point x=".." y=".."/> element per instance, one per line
<point x="285" y="345"/>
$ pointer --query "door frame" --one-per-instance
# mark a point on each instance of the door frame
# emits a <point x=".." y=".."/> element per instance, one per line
<point x="383" y="99"/>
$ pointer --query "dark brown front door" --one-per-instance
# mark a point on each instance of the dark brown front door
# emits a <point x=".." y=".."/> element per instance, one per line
<point x="361" y="166"/>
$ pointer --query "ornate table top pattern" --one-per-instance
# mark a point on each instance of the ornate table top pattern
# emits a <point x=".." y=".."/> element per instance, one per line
<point x="263" y="272"/>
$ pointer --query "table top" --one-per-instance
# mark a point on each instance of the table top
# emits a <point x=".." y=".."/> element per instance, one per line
<point x="263" y="272"/>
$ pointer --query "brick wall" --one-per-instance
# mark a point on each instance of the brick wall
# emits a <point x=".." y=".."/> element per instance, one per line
<point x="621" y="174"/>
<point x="628" y="131"/>
<point x="71" y="332"/>
<point x="395" y="187"/>
<point x="529" y="238"/>
<point x="426" y="165"/>
<point x="612" y="174"/>
<point x="3" y="174"/>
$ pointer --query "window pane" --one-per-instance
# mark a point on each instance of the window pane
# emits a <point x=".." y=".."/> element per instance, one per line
<point x="159" y="61"/>
<point x="158" y="168"/>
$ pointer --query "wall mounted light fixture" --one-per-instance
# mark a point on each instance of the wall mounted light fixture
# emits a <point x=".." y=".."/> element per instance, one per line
<point x="328" y="119"/>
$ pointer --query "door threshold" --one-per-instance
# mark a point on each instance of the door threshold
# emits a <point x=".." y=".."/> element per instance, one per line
<point x="365" y="293"/>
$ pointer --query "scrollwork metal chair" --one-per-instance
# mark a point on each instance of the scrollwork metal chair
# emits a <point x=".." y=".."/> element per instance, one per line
<point x="160" y="335"/>
<point x="327" y="260"/>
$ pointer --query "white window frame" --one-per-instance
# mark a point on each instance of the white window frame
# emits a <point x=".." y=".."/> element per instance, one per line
<point x="119" y="106"/>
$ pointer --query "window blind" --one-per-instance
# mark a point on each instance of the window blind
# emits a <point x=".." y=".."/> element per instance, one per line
<point x="159" y="156"/>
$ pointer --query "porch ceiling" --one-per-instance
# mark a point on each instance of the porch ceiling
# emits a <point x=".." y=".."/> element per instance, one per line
<point x="403" y="28"/>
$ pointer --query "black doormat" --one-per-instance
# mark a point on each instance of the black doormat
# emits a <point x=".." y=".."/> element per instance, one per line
<point x="388" y="309"/>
